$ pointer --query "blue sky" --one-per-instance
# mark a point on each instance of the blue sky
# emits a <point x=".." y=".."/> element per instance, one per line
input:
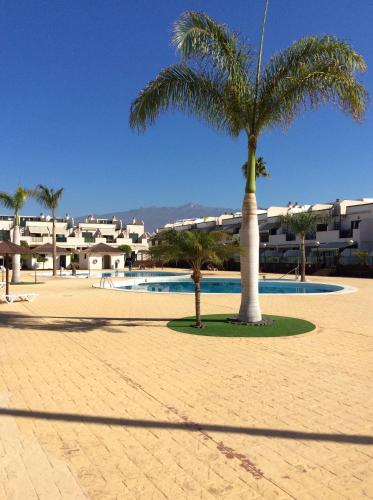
<point x="71" y="68"/>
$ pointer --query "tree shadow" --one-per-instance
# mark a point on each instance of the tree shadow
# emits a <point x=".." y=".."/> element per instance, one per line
<point x="360" y="439"/>
<point x="20" y="321"/>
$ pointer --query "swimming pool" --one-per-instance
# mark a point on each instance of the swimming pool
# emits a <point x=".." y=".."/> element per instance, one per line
<point x="227" y="285"/>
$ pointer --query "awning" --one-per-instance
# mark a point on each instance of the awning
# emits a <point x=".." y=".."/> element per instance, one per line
<point x="38" y="229"/>
<point x="291" y="253"/>
<point x="337" y="245"/>
<point x="269" y="225"/>
<point x="229" y="227"/>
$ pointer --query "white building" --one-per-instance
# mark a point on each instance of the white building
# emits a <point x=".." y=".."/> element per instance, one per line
<point x="345" y="227"/>
<point x="77" y="237"/>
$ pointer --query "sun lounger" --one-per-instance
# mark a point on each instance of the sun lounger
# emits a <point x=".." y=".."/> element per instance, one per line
<point x="17" y="297"/>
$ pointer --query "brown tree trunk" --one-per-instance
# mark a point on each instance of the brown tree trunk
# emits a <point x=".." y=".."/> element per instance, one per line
<point x="6" y="274"/>
<point x="54" y="246"/>
<point x="303" y="259"/>
<point x="196" y="277"/>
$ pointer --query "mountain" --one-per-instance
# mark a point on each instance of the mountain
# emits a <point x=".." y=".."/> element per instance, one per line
<point x="155" y="217"/>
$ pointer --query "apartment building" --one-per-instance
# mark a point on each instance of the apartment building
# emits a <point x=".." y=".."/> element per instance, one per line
<point x="76" y="236"/>
<point x="345" y="227"/>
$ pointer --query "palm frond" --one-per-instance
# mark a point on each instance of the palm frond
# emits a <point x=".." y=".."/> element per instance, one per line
<point x="47" y="197"/>
<point x="15" y="201"/>
<point x="313" y="71"/>
<point x="260" y="168"/>
<point x="7" y="200"/>
<point x="181" y="87"/>
<point x="195" y="247"/>
<point x="199" y="37"/>
<point x="302" y="222"/>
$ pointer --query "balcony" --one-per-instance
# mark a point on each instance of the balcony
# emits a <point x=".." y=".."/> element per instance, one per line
<point x="290" y="237"/>
<point x="264" y="238"/>
<point x="345" y="233"/>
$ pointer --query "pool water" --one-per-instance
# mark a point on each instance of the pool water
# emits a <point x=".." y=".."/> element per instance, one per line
<point x="231" y="285"/>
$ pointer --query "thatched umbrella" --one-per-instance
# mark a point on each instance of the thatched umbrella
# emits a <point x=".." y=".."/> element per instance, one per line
<point x="8" y="248"/>
<point x="47" y="249"/>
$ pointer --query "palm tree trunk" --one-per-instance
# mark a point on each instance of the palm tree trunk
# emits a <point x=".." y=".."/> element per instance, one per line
<point x="303" y="258"/>
<point x="197" y="297"/>
<point x="6" y="258"/>
<point x="249" y="240"/>
<point x="16" y="259"/>
<point x="196" y="277"/>
<point x="54" y="245"/>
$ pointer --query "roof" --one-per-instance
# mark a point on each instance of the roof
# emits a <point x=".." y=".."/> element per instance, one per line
<point x="103" y="249"/>
<point x="269" y="225"/>
<point x="47" y="248"/>
<point x="9" y="248"/>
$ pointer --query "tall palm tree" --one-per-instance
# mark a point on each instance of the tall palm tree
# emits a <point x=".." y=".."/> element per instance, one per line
<point x="197" y="248"/>
<point x="49" y="198"/>
<point x="217" y="82"/>
<point x="301" y="224"/>
<point x="260" y="168"/>
<point x="15" y="202"/>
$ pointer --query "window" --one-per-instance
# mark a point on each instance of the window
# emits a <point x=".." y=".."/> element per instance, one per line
<point x="4" y="234"/>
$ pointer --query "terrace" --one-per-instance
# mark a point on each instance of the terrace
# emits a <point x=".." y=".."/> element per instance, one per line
<point x="100" y="399"/>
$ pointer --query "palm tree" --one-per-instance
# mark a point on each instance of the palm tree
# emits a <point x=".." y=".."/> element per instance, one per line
<point x="197" y="248"/>
<point x="260" y="168"/>
<point x="49" y="198"/>
<point x="15" y="202"/>
<point x="301" y="224"/>
<point x="216" y="82"/>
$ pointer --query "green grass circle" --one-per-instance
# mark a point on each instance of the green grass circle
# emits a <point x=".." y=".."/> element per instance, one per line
<point x="215" y="326"/>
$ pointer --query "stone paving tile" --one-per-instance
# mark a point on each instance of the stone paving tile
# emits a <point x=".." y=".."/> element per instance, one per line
<point x="90" y="352"/>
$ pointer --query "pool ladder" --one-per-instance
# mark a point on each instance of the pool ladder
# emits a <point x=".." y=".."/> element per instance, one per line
<point x="296" y="269"/>
<point x="106" y="282"/>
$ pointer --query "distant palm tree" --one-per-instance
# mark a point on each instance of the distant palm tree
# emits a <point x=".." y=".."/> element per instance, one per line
<point x="260" y="168"/>
<point x="49" y="199"/>
<point x="217" y="82"/>
<point x="15" y="202"/>
<point x="302" y="223"/>
<point x="197" y="248"/>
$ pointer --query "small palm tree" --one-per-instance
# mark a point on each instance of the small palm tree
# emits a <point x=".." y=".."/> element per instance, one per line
<point x="218" y="82"/>
<point x="260" y="168"/>
<point x="197" y="248"/>
<point x="364" y="257"/>
<point x="301" y="224"/>
<point x="15" y="202"/>
<point x="49" y="198"/>
<point x="126" y="249"/>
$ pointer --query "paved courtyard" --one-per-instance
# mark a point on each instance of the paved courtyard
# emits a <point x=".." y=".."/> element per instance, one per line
<point x="99" y="400"/>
